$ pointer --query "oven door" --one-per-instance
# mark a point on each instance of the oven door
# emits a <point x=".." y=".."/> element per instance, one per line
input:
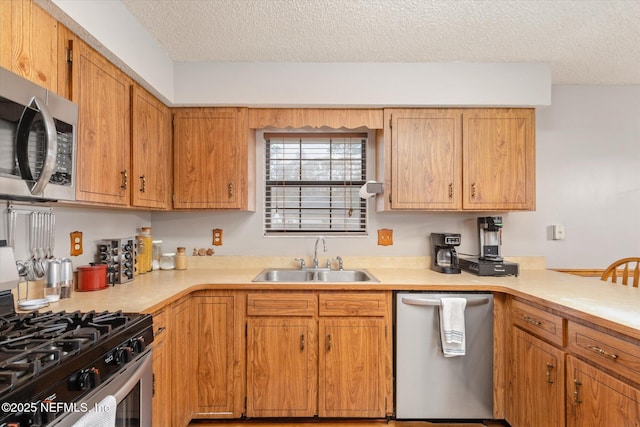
<point x="132" y="388"/>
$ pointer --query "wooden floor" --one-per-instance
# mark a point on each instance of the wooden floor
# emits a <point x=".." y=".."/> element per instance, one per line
<point x="330" y="423"/>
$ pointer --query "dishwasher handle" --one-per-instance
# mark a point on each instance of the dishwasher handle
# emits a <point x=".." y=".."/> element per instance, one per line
<point x="436" y="302"/>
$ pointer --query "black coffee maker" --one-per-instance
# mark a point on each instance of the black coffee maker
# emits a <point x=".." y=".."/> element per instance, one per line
<point x="445" y="257"/>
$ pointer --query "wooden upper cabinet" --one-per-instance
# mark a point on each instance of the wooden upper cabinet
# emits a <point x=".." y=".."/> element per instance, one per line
<point x="29" y="42"/>
<point x="211" y="157"/>
<point x="457" y="159"/>
<point x="426" y="154"/>
<point x="102" y="93"/>
<point x="150" y="151"/>
<point x="499" y="159"/>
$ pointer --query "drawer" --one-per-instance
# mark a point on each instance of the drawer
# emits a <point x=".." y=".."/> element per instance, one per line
<point x="357" y="304"/>
<point x="539" y="322"/>
<point x="612" y="353"/>
<point x="160" y="319"/>
<point x="283" y="304"/>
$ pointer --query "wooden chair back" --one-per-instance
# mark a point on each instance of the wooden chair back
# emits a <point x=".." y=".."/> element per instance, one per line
<point x="625" y="269"/>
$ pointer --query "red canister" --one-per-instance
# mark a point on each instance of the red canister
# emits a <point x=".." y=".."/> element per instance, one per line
<point x="92" y="277"/>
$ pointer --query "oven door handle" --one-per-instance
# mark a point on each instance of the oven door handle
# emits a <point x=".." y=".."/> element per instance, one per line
<point x="50" y="147"/>
<point x="126" y="388"/>
<point x="436" y="302"/>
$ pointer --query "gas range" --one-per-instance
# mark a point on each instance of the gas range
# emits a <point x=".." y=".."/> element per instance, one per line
<point x="62" y="357"/>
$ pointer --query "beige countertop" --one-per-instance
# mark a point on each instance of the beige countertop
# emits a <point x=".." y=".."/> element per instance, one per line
<point x="613" y="306"/>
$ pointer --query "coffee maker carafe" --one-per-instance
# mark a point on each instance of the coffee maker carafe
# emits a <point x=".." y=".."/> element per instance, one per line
<point x="445" y="257"/>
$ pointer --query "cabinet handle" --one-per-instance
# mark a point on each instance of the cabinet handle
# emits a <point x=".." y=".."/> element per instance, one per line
<point x="125" y="179"/>
<point x="473" y="190"/>
<point x="143" y="184"/>
<point x="160" y="330"/>
<point x="532" y="321"/>
<point x="230" y="190"/>
<point x="602" y="352"/>
<point x="549" y="369"/>
<point x="576" y="392"/>
<point x="451" y="190"/>
<point x="302" y="342"/>
<point x="329" y="342"/>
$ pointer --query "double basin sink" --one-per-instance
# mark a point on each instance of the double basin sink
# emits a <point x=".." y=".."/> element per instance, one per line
<point x="282" y="275"/>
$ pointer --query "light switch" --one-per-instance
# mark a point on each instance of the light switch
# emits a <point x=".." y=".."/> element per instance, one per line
<point x="557" y="232"/>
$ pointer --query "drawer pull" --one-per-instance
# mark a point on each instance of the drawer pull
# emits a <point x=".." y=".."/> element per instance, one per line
<point x="602" y="352"/>
<point x="576" y="392"/>
<point x="160" y="330"/>
<point x="532" y="321"/>
<point x="549" y="369"/>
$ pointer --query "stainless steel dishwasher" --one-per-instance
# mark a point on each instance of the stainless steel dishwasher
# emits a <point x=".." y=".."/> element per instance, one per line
<point x="429" y="385"/>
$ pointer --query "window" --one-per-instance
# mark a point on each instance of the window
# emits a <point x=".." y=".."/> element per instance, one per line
<point x="312" y="182"/>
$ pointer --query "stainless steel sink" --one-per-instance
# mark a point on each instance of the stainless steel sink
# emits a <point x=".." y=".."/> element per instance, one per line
<point x="282" y="275"/>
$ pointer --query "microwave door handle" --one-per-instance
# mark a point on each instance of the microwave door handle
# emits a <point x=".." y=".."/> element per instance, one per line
<point x="51" y="145"/>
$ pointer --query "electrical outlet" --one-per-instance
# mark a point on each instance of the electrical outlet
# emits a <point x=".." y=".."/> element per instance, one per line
<point x="76" y="243"/>
<point x="385" y="237"/>
<point x="217" y="237"/>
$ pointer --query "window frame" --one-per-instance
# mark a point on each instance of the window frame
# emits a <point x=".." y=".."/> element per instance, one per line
<point x="352" y="185"/>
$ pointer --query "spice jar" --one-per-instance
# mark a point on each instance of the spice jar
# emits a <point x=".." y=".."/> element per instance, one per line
<point x="181" y="259"/>
<point x="168" y="261"/>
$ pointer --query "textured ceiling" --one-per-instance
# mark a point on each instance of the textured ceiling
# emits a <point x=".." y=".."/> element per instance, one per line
<point x="586" y="41"/>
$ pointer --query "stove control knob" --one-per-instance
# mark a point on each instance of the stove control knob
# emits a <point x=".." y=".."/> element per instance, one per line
<point x="138" y="344"/>
<point x="123" y="355"/>
<point x="86" y="379"/>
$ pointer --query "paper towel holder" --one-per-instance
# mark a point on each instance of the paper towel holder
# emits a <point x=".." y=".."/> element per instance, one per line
<point x="370" y="189"/>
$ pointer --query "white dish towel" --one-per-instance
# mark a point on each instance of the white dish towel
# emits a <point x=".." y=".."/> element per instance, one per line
<point x="452" y="326"/>
<point x="102" y="415"/>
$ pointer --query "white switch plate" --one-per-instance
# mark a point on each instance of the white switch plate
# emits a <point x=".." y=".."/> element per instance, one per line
<point x="557" y="232"/>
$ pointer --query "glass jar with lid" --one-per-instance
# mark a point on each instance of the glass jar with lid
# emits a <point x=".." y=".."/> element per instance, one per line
<point x="168" y="261"/>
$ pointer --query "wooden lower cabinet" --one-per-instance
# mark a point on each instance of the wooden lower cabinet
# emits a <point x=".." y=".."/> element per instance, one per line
<point x="281" y="367"/>
<point x="217" y="347"/>
<point x="536" y="384"/>
<point x="319" y="354"/>
<point x="182" y="336"/>
<point x="352" y="355"/>
<point x="596" y="399"/>
<point x="161" y="401"/>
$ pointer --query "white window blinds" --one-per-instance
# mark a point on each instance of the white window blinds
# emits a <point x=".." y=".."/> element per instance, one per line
<point x="312" y="182"/>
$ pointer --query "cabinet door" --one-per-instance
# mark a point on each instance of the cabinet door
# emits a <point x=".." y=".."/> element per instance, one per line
<point x="597" y="399"/>
<point x="102" y="93"/>
<point x="216" y="384"/>
<point x="282" y="367"/>
<point x="29" y="42"/>
<point x="151" y="151"/>
<point x="351" y="368"/>
<point x="499" y="159"/>
<point x="210" y="158"/>
<point x="426" y="155"/>
<point x="182" y="337"/>
<point x="161" y="402"/>
<point x="537" y="383"/>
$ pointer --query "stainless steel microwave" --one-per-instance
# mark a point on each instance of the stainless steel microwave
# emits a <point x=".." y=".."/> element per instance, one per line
<point x="37" y="141"/>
